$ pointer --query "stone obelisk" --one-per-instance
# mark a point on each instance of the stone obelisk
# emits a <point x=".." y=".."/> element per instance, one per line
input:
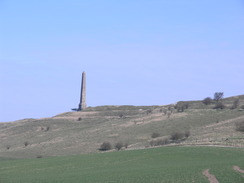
<point x="82" y="104"/>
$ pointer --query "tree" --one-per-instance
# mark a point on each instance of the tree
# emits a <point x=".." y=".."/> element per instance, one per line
<point x="207" y="101"/>
<point x="218" y="96"/>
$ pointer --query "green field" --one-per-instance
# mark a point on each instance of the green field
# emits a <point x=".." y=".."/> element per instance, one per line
<point x="166" y="164"/>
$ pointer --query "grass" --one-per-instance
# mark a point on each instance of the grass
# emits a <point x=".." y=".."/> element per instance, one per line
<point x="167" y="164"/>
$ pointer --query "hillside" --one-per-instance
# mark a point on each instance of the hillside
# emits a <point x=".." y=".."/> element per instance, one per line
<point x="83" y="132"/>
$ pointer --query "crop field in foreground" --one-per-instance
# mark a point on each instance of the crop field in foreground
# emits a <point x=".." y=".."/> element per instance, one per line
<point x="166" y="164"/>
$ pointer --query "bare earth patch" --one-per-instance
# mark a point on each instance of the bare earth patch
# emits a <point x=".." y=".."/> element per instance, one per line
<point x="211" y="178"/>
<point x="238" y="169"/>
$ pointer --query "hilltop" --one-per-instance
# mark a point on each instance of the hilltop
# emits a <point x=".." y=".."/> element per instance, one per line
<point x="84" y="131"/>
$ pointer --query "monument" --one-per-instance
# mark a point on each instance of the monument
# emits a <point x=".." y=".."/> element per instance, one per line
<point x="82" y="104"/>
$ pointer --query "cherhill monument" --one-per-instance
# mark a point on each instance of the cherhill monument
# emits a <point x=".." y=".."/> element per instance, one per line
<point x="82" y="104"/>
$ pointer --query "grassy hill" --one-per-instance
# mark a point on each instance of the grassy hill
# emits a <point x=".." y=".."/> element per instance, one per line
<point x="166" y="164"/>
<point x="83" y="132"/>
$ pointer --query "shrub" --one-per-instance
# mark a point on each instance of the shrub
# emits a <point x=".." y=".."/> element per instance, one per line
<point x="207" y="101"/>
<point x="149" y="111"/>
<point x="177" y="136"/>
<point x="8" y="147"/>
<point x="159" y="142"/>
<point x="26" y="143"/>
<point x="240" y="126"/>
<point x="219" y="105"/>
<point x="47" y="128"/>
<point x="181" y="106"/>
<point x="39" y="156"/>
<point x="118" y="145"/>
<point x="105" y="146"/>
<point x="121" y="115"/>
<point x="235" y="104"/>
<point x="126" y="145"/>
<point x="155" y="135"/>
<point x="79" y="119"/>
<point x="187" y="133"/>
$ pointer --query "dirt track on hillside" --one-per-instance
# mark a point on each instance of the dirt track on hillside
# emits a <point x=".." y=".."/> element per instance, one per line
<point x="224" y="122"/>
<point x="211" y="178"/>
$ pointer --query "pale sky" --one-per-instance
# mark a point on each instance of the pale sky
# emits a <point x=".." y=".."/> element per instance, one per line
<point x="134" y="52"/>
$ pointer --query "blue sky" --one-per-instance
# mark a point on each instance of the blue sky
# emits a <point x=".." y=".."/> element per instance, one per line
<point x="135" y="52"/>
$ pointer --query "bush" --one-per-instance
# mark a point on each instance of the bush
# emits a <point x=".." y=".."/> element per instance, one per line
<point x="177" y="136"/>
<point x="121" y="115"/>
<point x="79" y="119"/>
<point x="105" y="146"/>
<point x="26" y="143"/>
<point x="149" y="111"/>
<point x="159" y="142"/>
<point x="47" y="128"/>
<point x="118" y="145"/>
<point x="126" y="145"/>
<point x="8" y="147"/>
<point x="39" y="156"/>
<point x="207" y="101"/>
<point x="187" y="133"/>
<point x="219" y="105"/>
<point x="181" y="106"/>
<point x="155" y="135"/>
<point x="240" y="126"/>
<point x="235" y="104"/>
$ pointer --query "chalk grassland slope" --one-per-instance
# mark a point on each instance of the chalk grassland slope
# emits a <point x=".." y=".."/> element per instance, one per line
<point x="84" y="132"/>
<point x="166" y="164"/>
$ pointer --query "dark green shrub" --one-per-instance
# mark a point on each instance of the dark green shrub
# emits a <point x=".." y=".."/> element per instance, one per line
<point x="235" y="104"/>
<point x="240" y="126"/>
<point x="177" y="136"/>
<point x="121" y="115"/>
<point x="159" y="142"/>
<point x="105" y="146"/>
<point x="219" y="105"/>
<point x="155" y="135"/>
<point x="26" y="143"/>
<point x="187" y="133"/>
<point x="149" y="111"/>
<point x="118" y="145"/>
<point x="207" y="101"/>
<point x="126" y="145"/>
<point x="47" y="128"/>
